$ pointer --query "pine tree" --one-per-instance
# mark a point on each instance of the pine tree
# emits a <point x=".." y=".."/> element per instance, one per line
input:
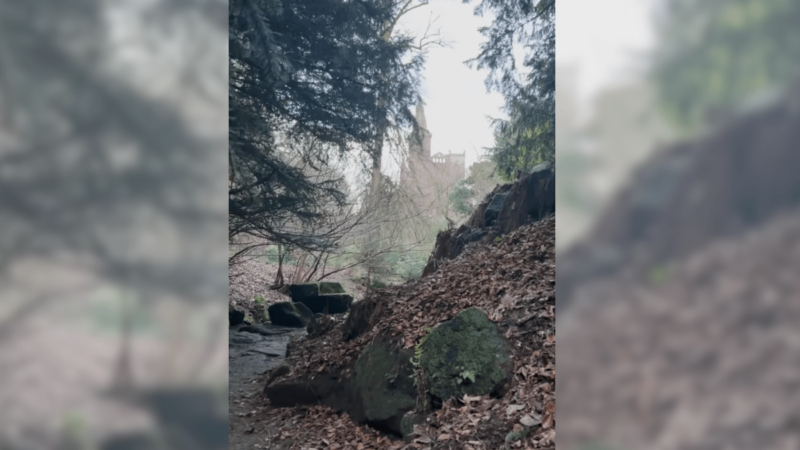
<point x="310" y="81"/>
<point x="528" y="136"/>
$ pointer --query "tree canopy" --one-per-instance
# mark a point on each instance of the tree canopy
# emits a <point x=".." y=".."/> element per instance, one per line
<point x="309" y="81"/>
<point x="528" y="136"/>
<point x="715" y="53"/>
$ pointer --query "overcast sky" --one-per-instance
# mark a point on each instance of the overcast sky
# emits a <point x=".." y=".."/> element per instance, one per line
<point x="603" y="40"/>
<point x="607" y="42"/>
<point x="455" y="95"/>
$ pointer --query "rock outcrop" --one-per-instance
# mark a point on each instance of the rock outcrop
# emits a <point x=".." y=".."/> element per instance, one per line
<point x="506" y="208"/>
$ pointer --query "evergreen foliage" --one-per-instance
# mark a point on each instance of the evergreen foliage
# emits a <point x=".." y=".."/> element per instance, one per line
<point x="715" y="53"/>
<point x="528" y="136"/>
<point x="460" y="196"/>
<point x="310" y="81"/>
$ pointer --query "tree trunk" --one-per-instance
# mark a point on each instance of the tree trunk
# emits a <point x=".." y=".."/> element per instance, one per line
<point x="123" y="375"/>
<point x="298" y="273"/>
<point x="279" y="275"/>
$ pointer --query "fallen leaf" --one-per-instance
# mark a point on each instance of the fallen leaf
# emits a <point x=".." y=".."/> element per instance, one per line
<point x="549" y="415"/>
<point x="443" y="437"/>
<point x="513" y="408"/>
<point x="471" y="398"/>
<point x="529" y="421"/>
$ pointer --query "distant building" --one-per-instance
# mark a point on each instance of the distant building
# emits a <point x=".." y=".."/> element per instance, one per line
<point x="428" y="179"/>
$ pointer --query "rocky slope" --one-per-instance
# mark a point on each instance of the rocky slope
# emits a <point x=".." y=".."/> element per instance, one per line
<point x="513" y="282"/>
<point x="722" y="184"/>
<point x="678" y="313"/>
<point x="506" y="208"/>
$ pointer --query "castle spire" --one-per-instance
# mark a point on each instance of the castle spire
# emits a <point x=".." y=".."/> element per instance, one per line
<point x="420" y="116"/>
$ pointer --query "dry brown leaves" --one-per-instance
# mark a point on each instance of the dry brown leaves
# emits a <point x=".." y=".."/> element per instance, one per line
<point x="703" y="360"/>
<point x="513" y="281"/>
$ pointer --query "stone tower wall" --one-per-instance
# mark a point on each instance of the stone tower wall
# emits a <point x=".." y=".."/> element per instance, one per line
<point x="430" y="178"/>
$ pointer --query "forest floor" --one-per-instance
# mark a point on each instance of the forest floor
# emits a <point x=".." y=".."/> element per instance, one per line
<point x="512" y="280"/>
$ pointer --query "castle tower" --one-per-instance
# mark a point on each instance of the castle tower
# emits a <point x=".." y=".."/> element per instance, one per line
<point x="422" y="142"/>
<point x="428" y="178"/>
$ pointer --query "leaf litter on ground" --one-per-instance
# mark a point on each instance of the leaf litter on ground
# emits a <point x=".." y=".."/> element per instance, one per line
<point x="513" y="281"/>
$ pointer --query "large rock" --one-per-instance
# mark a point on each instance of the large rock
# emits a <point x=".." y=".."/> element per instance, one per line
<point x="384" y="380"/>
<point x="329" y="389"/>
<point x="494" y="208"/>
<point x="358" y="321"/>
<point x="324" y="296"/>
<point x="235" y="317"/>
<point x="303" y="290"/>
<point x="328" y="303"/>
<point x="380" y="392"/>
<point x="290" y="314"/>
<point x="466" y="355"/>
<point x="506" y="208"/>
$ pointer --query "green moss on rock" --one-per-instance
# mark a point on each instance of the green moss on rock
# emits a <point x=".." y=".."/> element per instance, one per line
<point x="465" y="355"/>
<point x="410" y="419"/>
<point x="330" y="287"/>
<point x="383" y="379"/>
<point x="290" y="314"/>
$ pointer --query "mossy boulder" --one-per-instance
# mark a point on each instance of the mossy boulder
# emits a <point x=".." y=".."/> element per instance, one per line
<point x="291" y="314"/>
<point x="331" y="287"/>
<point x="466" y="355"/>
<point x="383" y="380"/>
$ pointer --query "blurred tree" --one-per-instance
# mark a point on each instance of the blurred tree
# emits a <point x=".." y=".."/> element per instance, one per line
<point x="317" y="73"/>
<point x="470" y="192"/>
<point x="459" y="198"/>
<point x="527" y="26"/>
<point x="715" y="53"/>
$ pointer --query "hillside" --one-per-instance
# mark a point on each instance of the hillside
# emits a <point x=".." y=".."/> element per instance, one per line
<point x="490" y="286"/>
<point x="513" y="281"/>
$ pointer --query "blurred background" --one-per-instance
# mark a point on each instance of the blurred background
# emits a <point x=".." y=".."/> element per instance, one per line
<point x="113" y="249"/>
<point x="678" y="224"/>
